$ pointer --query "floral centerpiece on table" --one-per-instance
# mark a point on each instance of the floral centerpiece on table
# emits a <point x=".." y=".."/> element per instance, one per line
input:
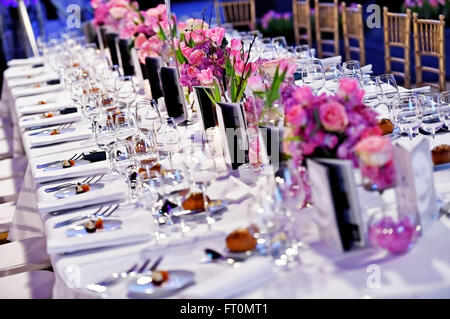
<point x="428" y="9"/>
<point x="273" y="24"/>
<point x="112" y="13"/>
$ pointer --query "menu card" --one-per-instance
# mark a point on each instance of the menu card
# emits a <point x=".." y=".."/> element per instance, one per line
<point x="173" y="94"/>
<point x="233" y="129"/>
<point x="415" y="192"/>
<point x="336" y="201"/>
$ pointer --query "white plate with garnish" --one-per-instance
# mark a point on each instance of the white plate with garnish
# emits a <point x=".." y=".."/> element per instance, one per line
<point x="143" y="286"/>
<point x="82" y="228"/>
<point x="72" y="190"/>
<point x="60" y="165"/>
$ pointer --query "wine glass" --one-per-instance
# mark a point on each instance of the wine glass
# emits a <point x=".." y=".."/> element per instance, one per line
<point x="125" y="164"/>
<point x="125" y="124"/>
<point x="390" y="89"/>
<point x="105" y="136"/>
<point x="169" y="139"/>
<point x="279" y="42"/>
<point x="109" y="78"/>
<point x="332" y="74"/>
<point x="126" y="90"/>
<point x="314" y="75"/>
<point x="303" y="52"/>
<point x="406" y="113"/>
<point x="373" y="92"/>
<point x="445" y="108"/>
<point x="148" y="117"/>
<point x="431" y="114"/>
<point x="352" y="67"/>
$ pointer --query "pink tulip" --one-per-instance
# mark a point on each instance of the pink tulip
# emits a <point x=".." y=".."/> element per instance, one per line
<point x="255" y="83"/>
<point x="236" y="44"/>
<point x="196" y="57"/>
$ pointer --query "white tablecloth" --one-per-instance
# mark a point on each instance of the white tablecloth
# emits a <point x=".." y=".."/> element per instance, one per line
<point x="422" y="272"/>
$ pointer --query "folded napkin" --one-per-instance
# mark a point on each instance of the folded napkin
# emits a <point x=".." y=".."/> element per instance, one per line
<point x="72" y="134"/>
<point x="114" y="188"/>
<point x="134" y="229"/>
<point x="24" y="71"/>
<point x="236" y="190"/>
<point x="43" y="108"/>
<point x="424" y="89"/>
<point x="367" y="69"/>
<point x="27" y="91"/>
<point x="58" y="148"/>
<point x="234" y="281"/>
<point x="46" y="78"/>
<point x="63" y="97"/>
<point x="57" y="119"/>
<point x="331" y="60"/>
<point x="44" y="175"/>
<point x="26" y="61"/>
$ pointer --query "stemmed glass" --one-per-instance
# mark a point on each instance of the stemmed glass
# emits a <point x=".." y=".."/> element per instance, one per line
<point x="352" y="67"/>
<point x="109" y="78"/>
<point x="314" y="75"/>
<point x="406" y="114"/>
<point x="148" y="117"/>
<point x="445" y="108"/>
<point x="373" y="92"/>
<point x="126" y="90"/>
<point x="125" y="125"/>
<point x="279" y="42"/>
<point x="332" y="75"/>
<point x="431" y="112"/>
<point x="390" y="89"/>
<point x="105" y="136"/>
<point x="302" y="52"/>
<point x="125" y="164"/>
<point x="169" y="139"/>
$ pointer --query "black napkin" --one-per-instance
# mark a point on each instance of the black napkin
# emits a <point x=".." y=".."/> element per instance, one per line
<point x="297" y="76"/>
<point x="125" y="57"/>
<point x="167" y="206"/>
<point x="38" y="65"/>
<point x="68" y="110"/>
<point x="173" y="95"/>
<point x="441" y="130"/>
<point x="95" y="156"/>
<point x="153" y="65"/>
<point x="111" y="43"/>
<point x="207" y="109"/>
<point x="53" y="82"/>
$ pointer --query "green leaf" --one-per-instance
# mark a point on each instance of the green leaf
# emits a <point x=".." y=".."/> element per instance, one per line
<point x="161" y="33"/>
<point x="180" y="57"/>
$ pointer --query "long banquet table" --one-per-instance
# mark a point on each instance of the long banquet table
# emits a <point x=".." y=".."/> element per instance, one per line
<point x="422" y="272"/>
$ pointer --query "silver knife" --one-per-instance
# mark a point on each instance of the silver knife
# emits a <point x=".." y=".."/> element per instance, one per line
<point x="70" y="221"/>
<point x="49" y="164"/>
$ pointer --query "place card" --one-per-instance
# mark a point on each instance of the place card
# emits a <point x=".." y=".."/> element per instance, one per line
<point x="415" y="192"/>
<point x="337" y="204"/>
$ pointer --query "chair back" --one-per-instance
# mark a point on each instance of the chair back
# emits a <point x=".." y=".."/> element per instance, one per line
<point x="302" y="21"/>
<point x="353" y="29"/>
<point x="238" y="13"/>
<point x="327" y="21"/>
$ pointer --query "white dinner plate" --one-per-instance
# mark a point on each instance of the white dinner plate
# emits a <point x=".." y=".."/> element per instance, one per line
<point x="58" y="166"/>
<point x="80" y="230"/>
<point x="71" y="191"/>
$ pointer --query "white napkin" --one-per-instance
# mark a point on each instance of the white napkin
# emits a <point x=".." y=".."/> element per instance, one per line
<point x="81" y="132"/>
<point x="27" y="91"/>
<point x="50" y="107"/>
<point x="237" y="190"/>
<point x="57" y="119"/>
<point x="29" y="82"/>
<point x="367" y="69"/>
<point x="24" y="71"/>
<point x="331" y="60"/>
<point x="134" y="229"/>
<point x="233" y="281"/>
<point x="114" y="188"/>
<point x="42" y="176"/>
<point x="423" y="89"/>
<point x="58" y="148"/>
<point x="53" y="97"/>
<point x="26" y="61"/>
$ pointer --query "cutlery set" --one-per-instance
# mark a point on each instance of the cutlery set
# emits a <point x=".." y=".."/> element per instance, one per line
<point x="74" y="157"/>
<point x="60" y="127"/>
<point x="88" y="180"/>
<point x="99" y="213"/>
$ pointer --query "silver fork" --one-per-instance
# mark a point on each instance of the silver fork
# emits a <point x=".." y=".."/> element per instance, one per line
<point x="116" y="277"/>
<point x="87" y="180"/>
<point x="106" y="213"/>
<point x="60" y="127"/>
<point x="74" y="157"/>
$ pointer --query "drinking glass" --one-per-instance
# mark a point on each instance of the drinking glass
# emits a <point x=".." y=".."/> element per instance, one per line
<point x="125" y="164"/>
<point x="432" y="117"/>
<point x="125" y="125"/>
<point x="352" y="67"/>
<point x="406" y="114"/>
<point x="109" y="77"/>
<point x="125" y="90"/>
<point x="314" y="75"/>
<point x="303" y="52"/>
<point x="332" y="76"/>
<point x="105" y="136"/>
<point x="280" y="42"/>
<point x="148" y="117"/>
<point x="390" y="89"/>
<point x="373" y="92"/>
<point x="168" y="138"/>
<point x="445" y="108"/>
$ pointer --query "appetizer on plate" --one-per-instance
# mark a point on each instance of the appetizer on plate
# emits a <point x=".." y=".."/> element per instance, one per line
<point x="48" y="115"/>
<point x="93" y="225"/>
<point x="68" y="163"/>
<point x="441" y="154"/>
<point x="82" y="188"/>
<point x="55" y="132"/>
<point x="159" y="277"/>
<point x="242" y="239"/>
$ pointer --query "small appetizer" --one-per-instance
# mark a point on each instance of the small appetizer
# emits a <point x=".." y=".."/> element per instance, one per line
<point x="195" y="201"/>
<point x="159" y="277"/>
<point x="48" y="115"/>
<point x="82" y="188"/>
<point x="93" y="225"/>
<point x="140" y="147"/>
<point x="29" y="76"/>
<point x="41" y="102"/>
<point x="68" y="163"/>
<point x="55" y="132"/>
<point x="37" y="85"/>
<point x="242" y="239"/>
<point x="107" y="101"/>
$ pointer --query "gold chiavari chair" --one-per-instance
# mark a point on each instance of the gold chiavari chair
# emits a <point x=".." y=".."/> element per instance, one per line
<point x="302" y="20"/>
<point x="327" y="21"/>
<point x="397" y="31"/>
<point x="429" y="40"/>
<point x="352" y="28"/>
<point x="238" y="13"/>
